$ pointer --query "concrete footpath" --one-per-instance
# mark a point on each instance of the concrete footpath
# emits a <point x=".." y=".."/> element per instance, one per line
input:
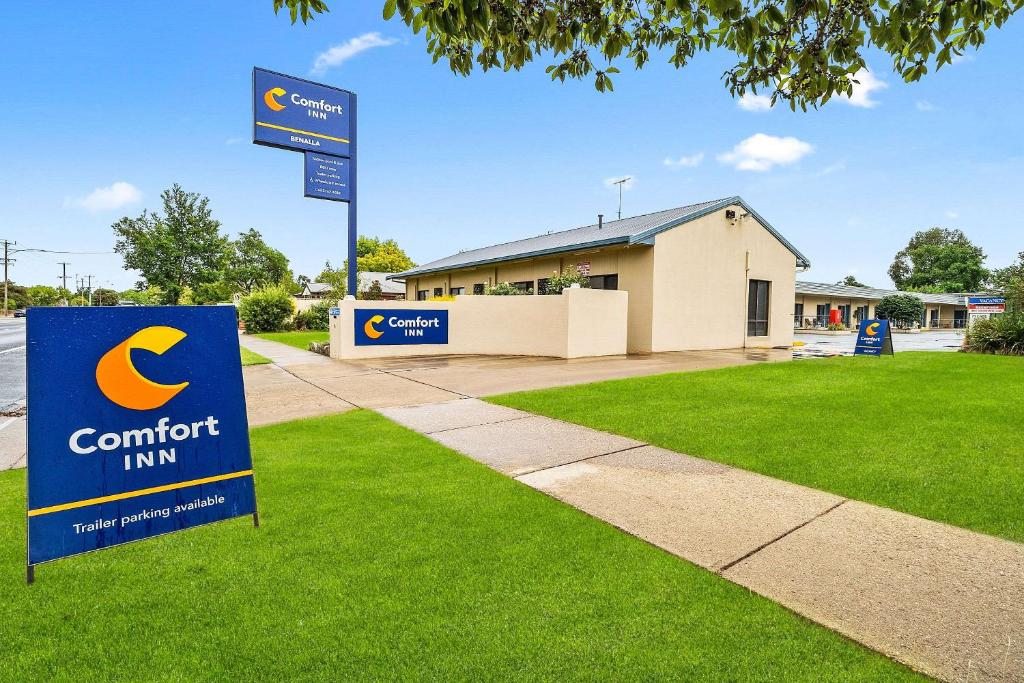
<point x="943" y="600"/>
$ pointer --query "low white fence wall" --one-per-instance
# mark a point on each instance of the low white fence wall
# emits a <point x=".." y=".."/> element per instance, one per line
<point x="578" y="323"/>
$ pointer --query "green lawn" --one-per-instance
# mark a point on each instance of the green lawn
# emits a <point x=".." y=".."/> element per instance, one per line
<point x="252" y="358"/>
<point x="938" y="435"/>
<point x="299" y="340"/>
<point x="393" y="557"/>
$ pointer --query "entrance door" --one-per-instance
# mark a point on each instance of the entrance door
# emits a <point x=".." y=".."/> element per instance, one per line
<point x="933" y="318"/>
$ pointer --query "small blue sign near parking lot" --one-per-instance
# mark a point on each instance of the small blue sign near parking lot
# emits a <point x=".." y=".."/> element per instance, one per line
<point x="383" y="327"/>
<point x="136" y="425"/>
<point x="327" y="177"/>
<point x="297" y="114"/>
<point x="874" y="337"/>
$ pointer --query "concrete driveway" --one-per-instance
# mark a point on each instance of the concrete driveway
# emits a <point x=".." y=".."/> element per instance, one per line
<point x="302" y="384"/>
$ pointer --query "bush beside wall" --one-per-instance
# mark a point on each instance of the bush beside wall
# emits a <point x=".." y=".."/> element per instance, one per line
<point x="267" y="310"/>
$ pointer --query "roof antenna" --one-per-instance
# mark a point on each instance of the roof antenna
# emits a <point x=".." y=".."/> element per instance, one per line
<point x="600" y="221"/>
<point x="620" y="183"/>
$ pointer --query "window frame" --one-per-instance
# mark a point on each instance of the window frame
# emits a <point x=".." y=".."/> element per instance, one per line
<point x="759" y="292"/>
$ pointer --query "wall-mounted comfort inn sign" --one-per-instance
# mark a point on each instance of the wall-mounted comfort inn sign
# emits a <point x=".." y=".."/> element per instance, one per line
<point x="384" y="327"/>
<point x="136" y="426"/>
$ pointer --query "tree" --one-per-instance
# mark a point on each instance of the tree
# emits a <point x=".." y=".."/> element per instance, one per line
<point x="851" y="281"/>
<point x="104" y="297"/>
<point x="1000" y="278"/>
<point x="43" y="295"/>
<point x="380" y="256"/>
<point x="374" y="292"/>
<point x="253" y="263"/>
<point x="142" y="295"/>
<point x="800" y="52"/>
<point x="182" y="248"/>
<point x="336" y="278"/>
<point x="1009" y="282"/>
<point x="939" y="260"/>
<point x="17" y="296"/>
<point x="904" y="310"/>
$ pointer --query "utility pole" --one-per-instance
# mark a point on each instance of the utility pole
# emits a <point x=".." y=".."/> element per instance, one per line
<point x="64" y="278"/>
<point x="90" y="289"/>
<point x="7" y="262"/>
<point x="620" y="183"/>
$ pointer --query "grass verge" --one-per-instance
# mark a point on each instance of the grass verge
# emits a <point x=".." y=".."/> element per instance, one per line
<point x="937" y="435"/>
<point x="299" y="340"/>
<point x="252" y="358"/>
<point x="393" y="557"/>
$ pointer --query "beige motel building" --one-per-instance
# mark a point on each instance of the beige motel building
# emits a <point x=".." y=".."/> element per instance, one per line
<point x="671" y="263"/>
<point x="814" y="300"/>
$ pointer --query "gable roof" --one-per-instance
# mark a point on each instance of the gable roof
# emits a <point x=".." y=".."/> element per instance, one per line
<point x="635" y="230"/>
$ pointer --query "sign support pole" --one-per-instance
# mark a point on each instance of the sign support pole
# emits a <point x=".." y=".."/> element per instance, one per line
<point x="353" y="287"/>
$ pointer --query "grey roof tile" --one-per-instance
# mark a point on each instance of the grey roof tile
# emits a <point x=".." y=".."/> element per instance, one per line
<point x="627" y="230"/>
<point x="825" y="289"/>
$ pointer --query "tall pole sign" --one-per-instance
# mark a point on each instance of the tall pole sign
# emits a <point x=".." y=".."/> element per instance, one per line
<point x="319" y="121"/>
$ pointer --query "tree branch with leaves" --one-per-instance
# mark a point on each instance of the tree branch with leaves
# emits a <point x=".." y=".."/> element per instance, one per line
<point x="803" y="52"/>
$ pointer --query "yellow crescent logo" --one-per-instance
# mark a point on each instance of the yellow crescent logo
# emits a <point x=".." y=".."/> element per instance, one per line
<point x="372" y="331"/>
<point x="871" y="330"/>
<point x="123" y="384"/>
<point x="269" y="96"/>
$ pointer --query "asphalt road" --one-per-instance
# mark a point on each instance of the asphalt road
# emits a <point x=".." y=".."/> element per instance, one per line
<point x="12" y="360"/>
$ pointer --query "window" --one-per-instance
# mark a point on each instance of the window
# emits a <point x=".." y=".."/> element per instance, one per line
<point x="542" y="285"/>
<point x="478" y="288"/>
<point x="844" y="314"/>
<point x="421" y="295"/>
<point x="525" y="286"/>
<point x="604" y="281"/>
<point x="757" y="308"/>
<point x="821" y="315"/>
<point x="933" y="318"/>
<point x="798" y="315"/>
<point x="438" y="291"/>
<point x="457" y="291"/>
<point x="861" y="313"/>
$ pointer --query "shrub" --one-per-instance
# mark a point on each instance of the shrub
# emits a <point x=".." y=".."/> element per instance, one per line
<point x="506" y="289"/>
<point x="562" y="281"/>
<point x="999" y="334"/>
<point x="320" y="315"/>
<point x="303" y="320"/>
<point x="268" y="309"/>
<point x="904" y="310"/>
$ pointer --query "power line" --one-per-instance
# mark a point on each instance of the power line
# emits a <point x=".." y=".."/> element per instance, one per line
<point x="57" y="251"/>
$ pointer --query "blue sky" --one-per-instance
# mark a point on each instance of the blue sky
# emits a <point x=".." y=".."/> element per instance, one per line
<point x="106" y="107"/>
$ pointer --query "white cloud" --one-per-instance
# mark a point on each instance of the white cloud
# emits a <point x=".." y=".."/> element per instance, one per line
<point x="866" y="84"/>
<point x="106" y="198"/>
<point x="612" y="183"/>
<point x="752" y="102"/>
<point x="952" y="215"/>
<point x="685" y="161"/>
<point x="832" y="168"/>
<point x="762" y="152"/>
<point x="232" y="141"/>
<point x="339" y="54"/>
<point x="960" y="59"/>
<point x="925" y="105"/>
